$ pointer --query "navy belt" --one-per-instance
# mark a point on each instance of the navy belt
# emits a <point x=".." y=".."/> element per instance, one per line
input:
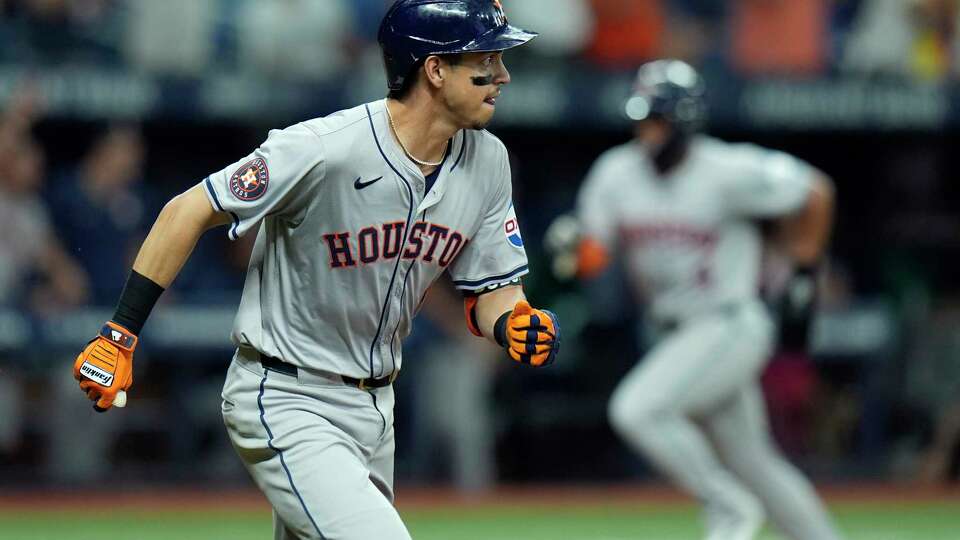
<point x="275" y="364"/>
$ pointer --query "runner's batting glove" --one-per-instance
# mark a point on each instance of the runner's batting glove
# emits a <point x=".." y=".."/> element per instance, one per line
<point x="797" y="309"/>
<point x="561" y="241"/>
<point x="105" y="367"/>
<point x="531" y="336"/>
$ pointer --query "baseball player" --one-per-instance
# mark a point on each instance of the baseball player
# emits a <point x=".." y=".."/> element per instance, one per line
<point x="355" y="215"/>
<point x="680" y="211"/>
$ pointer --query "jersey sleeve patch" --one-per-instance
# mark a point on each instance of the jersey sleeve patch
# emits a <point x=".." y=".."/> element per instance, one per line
<point x="250" y="181"/>
<point x="511" y="229"/>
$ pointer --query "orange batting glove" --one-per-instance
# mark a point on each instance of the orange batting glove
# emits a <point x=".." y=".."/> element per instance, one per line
<point x="105" y="367"/>
<point x="532" y="335"/>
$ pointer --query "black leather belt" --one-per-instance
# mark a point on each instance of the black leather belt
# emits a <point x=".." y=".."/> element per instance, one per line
<point x="275" y="364"/>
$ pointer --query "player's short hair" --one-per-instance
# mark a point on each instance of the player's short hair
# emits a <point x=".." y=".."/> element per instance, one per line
<point x="408" y="82"/>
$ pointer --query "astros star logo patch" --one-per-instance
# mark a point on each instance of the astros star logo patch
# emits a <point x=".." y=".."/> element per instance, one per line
<point x="250" y="181"/>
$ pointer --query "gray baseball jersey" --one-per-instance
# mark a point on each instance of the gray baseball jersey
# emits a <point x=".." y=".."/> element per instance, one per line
<point x="349" y="238"/>
<point x="692" y="249"/>
<point x="689" y="240"/>
<point x="348" y="242"/>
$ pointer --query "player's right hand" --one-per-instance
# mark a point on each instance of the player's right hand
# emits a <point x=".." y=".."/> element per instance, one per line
<point x="105" y="367"/>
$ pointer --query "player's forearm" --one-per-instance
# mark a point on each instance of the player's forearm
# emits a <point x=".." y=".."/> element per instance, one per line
<point x="174" y="235"/>
<point x="806" y="233"/>
<point x="492" y="305"/>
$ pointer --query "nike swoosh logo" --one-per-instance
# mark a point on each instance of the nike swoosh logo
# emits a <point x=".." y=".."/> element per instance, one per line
<point x="357" y="184"/>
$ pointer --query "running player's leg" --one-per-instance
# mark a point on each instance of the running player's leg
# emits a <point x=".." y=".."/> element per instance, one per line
<point x="315" y="475"/>
<point x="381" y="465"/>
<point x="700" y="365"/>
<point x="381" y="476"/>
<point x="740" y="433"/>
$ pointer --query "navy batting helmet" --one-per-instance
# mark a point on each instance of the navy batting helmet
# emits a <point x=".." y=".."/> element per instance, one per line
<point x="669" y="89"/>
<point x="412" y="30"/>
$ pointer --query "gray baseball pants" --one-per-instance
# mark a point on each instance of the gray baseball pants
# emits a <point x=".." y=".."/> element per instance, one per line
<point x="320" y="450"/>
<point x="694" y="408"/>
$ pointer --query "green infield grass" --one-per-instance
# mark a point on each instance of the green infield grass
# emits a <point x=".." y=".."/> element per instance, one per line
<point x="881" y="520"/>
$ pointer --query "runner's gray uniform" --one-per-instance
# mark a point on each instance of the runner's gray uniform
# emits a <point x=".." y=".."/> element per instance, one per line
<point x="347" y="245"/>
<point x="692" y="251"/>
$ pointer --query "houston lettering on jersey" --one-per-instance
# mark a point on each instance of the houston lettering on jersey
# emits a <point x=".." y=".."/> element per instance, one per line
<point x="430" y="242"/>
<point x="668" y="232"/>
<point x="687" y="237"/>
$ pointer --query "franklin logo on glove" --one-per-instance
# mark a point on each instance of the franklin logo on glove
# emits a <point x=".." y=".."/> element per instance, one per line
<point x="91" y="371"/>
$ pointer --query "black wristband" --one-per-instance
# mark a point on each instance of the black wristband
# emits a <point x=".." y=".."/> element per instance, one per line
<point x="500" y="329"/>
<point x="139" y="296"/>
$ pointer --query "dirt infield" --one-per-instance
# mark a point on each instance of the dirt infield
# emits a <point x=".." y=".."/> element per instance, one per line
<point x="200" y="500"/>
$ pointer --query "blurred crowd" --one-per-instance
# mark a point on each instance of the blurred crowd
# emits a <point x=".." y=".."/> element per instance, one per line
<point x="71" y="233"/>
<point x="315" y="41"/>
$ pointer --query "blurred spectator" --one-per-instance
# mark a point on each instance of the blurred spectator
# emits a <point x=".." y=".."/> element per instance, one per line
<point x="100" y="212"/>
<point x="290" y="39"/>
<point x="170" y="37"/>
<point x="17" y="120"/>
<point x="931" y="384"/>
<point x="779" y="36"/>
<point x="909" y="38"/>
<point x="940" y="461"/>
<point x="566" y="26"/>
<point x="28" y="245"/>
<point x="627" y="32"/>
<point x="34" y="270"/>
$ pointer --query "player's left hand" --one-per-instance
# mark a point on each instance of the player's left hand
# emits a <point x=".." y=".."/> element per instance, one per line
<point x="532" y="335"/>
<point x="561" y="241"/>
<point x="105" y="367"/>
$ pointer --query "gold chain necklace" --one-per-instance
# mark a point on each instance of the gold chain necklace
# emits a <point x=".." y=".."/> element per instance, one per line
<point x="404" y="148"/>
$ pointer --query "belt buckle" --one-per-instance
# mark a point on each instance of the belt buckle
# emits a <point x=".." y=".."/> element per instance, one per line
<point x="362" y="383"/>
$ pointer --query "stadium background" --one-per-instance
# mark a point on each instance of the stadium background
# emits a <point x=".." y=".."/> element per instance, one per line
<point x="110" y="107"/>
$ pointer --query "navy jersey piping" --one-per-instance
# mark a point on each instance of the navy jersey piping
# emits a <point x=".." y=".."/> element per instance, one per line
<point x="383" y="419"/>
<point x="463" y="147"/>
<point x="403" y="293"/>
<point x="491" y="279"/>
<point x="283" y="462"/>
<point x="216" y="201"/>
<point x="396" y="266"/>
<point x="430" y="180"/>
